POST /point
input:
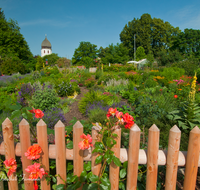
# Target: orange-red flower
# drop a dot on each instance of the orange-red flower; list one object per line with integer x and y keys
{"x": 33, "y": 152}
{"x": 86, "y": 143}
{"x": 38, "y": 113}
{"x": 35, "y": 173}
{"x": 175, "y": 96}
{"x": 128, "y": 120}
{"x": 11, "y": 166}
{"x": 111, "y": 112}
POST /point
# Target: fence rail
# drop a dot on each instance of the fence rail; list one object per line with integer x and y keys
{"x": 152, "y": 156}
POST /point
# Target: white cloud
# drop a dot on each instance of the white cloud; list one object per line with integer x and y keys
{"x": 47, "y": 22}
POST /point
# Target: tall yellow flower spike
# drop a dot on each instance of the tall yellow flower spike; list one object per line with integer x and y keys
{"x": 193, "y": 89}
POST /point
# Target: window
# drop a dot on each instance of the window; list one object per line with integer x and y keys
{"x": 48, "y": 51}
{"x": 44, "y": 51}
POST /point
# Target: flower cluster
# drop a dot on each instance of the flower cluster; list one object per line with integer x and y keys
{"x": 10, "y": 166}
{"x": 86, "y": 143}
{"x": 180, "y": 81}
{"x": 35, "y": 170}
{"x": 38, "y": 113}
{"x": 123, "y": 119}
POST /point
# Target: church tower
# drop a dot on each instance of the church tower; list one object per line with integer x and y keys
{"x": 46, "y": 47}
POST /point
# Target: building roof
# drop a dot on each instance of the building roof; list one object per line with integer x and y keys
{"x": 46, "y": 43}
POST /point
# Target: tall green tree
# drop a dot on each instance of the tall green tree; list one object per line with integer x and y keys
{"x": 114, "y": 54}
{"x": 153, "y": 34}
{"x": 85, "y": 49}
{"x": 188, "y": 42}
{"x": 12, "y": 42}
{"x": 140, "y": 53}
{"x": 52, "y": 58}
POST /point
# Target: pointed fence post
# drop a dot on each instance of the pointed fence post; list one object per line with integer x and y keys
{"x": 172, "y": 158}
{"x": 152, "y": 158}
{"x": 114, "y": 170}
{"x": 43, "y": 143}
{"x": 77, "y": 152}
{"x": 25, "y": 143}
{"x": 133, "y": 157}
{"x": 95, "y": 167}
{"x": 60, "y": 152}
{"x": 8, "y": 138}
{"x": 192, "y": 160}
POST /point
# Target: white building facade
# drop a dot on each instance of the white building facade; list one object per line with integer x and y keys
{"x": 46, "y": 47}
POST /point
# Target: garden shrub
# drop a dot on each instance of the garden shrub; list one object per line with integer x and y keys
{"x": 150, "y": 83}
{"x": 36, "y": 75}
{"x": 92, "y": 96}
{"x": 52, "y": 116}
{"x": 44, "y": 97}
{"x": 171, "y": 73}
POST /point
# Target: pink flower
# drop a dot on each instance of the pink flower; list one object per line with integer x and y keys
{"x": 86, "y": 143}
{"x": 33, "y": 152}
{"x": 11, "y": 165}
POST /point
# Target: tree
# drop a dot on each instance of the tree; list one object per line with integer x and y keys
{"x": 140, "y": 54}
{"x": 188, "y": 42}
{"x": 85, "y": 49}
{"x": 52, "y": 59}
{"x": 152, "y": 34}
{"x": 63, "y": 62}
{"x": 40, "y": 63}
{"x": 114, "y": 54}
{"x": 12, "y": 42}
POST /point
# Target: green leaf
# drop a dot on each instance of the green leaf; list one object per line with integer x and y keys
{"x": 85, "y": 187}
{"x": 24, "y": 115}
{"x": 93, "y": 186}
{"x": 60, "y": 187}
{"x": 69, "y": 129}
{"x": 50, "y": 131}
{"x": 104, "y": 187}
{"x": 15, "y": 107}
{"x": 3, "y": 176}
{"x": 105, "y": 181}
{"x": 69, "y": 166}
{"x": 122, "y": 186}
{"x": 76, "y": 185}
{"x": 54, "y": 179}
{"x": 74, "y": 178}
{"x": 87, "y": 166}
{"x": 99, "y": 159}
{"x": 83, "y": 173}
{"x": 122, "y": 173}
{"x": 125, "y": 164}
{"x": 114, "y": 135}
{"x": 98, "y": 150}
{"x": 70, "y": 145}
{"x": 16, "y": 113}
{"x": 116, "y": 161}
{"x": 94, "y": 178}
{"x": 109, "y": 159}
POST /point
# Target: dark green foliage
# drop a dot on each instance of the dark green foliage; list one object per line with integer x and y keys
{"x": 12, "y": 42}
{"x": 12, "y": 65}
{"x": 52, "y": 59}
{"x": 114, "y": 54}
{"x": 140, "y": 53}
{"x": 153, "y": 34}
{"x": 85, "y": 54}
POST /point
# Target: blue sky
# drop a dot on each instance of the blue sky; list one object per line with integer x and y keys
{"x": 68, "y": 22}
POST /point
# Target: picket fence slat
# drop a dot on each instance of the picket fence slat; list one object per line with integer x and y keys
{"x": 77, "y": 152}
{"x": 113, "y": 169}
{"x": 172, "y": 158}
{"x": 43, "y": 143}
{"x": 60, "y": 152}
{"x": 192, "y": 160}
{"x": 152, "y": 156}
{"x": 8, "y": 138}
{"x": 24, "y": 131}
{"x": 133, "y": 157}
{"x": 95, "y": 167}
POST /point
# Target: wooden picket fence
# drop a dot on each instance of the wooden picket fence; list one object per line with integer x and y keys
{"x": 152, "y": 156}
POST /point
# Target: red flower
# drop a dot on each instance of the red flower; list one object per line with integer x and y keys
{"x": 86, "y": 143}
{"x": 128, "y": 120}
{"x": 38, "y": 113}
{"x": 111, "y": 112}
{"x": 161, "y": 89}
{"x": 33, "y": 152}
{"x": 11, "y": 165}
{"x": 175, "y": 96}
{"x": 35, "y": 173}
